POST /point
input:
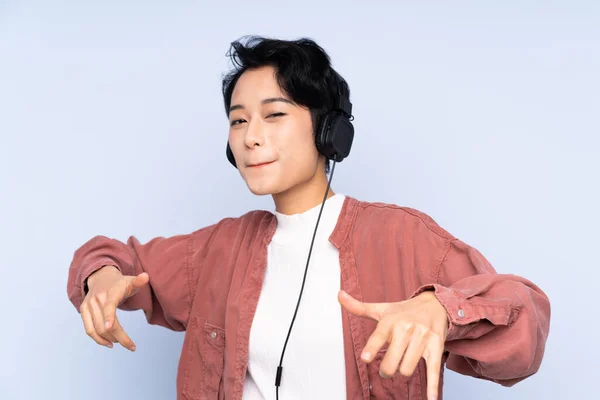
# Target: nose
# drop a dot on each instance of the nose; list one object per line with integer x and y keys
{"x": 254, "y": 134}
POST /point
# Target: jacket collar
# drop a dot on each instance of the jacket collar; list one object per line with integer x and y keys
{"x": 341, "y": 232}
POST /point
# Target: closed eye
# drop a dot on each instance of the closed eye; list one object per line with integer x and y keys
{"x": 274, "y": 115}
{"x": 236, "y": 121}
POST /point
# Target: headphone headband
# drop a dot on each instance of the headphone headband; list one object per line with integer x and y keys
{"x": 343, "y": 103}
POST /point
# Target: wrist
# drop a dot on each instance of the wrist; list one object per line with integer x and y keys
{"x": 89, "y": 281}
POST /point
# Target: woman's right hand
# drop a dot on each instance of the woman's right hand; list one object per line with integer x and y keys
{"x": 107, "y": 288}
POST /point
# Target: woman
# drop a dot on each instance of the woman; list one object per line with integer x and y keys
{"x": 389, "y": 298}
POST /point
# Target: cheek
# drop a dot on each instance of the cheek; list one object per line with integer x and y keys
{"x": 234, "y": 140}
{"x": 299, "y": 166}
{"x": 236, "y": 144}
{"x": 297, "y": 148}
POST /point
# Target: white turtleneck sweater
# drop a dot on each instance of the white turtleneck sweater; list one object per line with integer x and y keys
{"x": 313, "y": 365}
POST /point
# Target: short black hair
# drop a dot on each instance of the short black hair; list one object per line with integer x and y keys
{"x": 303, "y": 72}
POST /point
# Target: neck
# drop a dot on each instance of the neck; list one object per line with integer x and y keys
{"x": 302, "y": 197}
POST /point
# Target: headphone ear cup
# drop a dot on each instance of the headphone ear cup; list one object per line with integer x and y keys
{"x": 321, "y": 135}
{"x": 335, "y": 136}
{"x": 230, "y": 156}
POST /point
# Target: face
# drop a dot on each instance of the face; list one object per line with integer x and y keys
{"x": 270, "y": 136}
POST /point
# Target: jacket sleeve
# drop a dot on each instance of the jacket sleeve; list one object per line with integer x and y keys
{"x": 498, "y": 324}
{"x": 166, "y": 300}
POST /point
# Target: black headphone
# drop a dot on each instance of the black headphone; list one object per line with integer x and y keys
{"x": 335, "y": 131}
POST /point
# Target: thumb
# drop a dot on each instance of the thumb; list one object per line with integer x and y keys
{"x": 135, "y": 283}
{"x": 359, "y": 308}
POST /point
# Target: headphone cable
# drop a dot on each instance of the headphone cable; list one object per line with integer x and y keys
{"x": 280, "y": 367}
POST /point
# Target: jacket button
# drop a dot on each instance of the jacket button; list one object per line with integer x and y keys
{"x": 461, "y": 313}
{"x": 213, "y": 334}
{"x": 370, "y": 387}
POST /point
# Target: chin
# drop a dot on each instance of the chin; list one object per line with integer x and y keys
{"x": 265, "y": 188}
{"x": 273, "y": 183}
{"x": 261, "y": 189}
{"x": 260, "y": 192}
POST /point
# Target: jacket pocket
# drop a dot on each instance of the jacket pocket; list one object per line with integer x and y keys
{"x": 214, "y": 352}
{"x": 204, "y": 350}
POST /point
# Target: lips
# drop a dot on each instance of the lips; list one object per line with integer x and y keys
{"x": 260, "y": 164}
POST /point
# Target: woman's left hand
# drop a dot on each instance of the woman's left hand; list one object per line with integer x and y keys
{"x": 415, "y": 329}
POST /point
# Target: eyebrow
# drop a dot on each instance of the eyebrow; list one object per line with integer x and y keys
{"x": 265, "y": 101}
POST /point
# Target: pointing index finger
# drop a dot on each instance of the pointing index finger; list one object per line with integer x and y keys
{"x": 433, "y": 360}
{"x": 121, "y": 336}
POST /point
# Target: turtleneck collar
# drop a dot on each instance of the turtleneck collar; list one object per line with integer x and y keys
{"x": 294, "y": 227}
